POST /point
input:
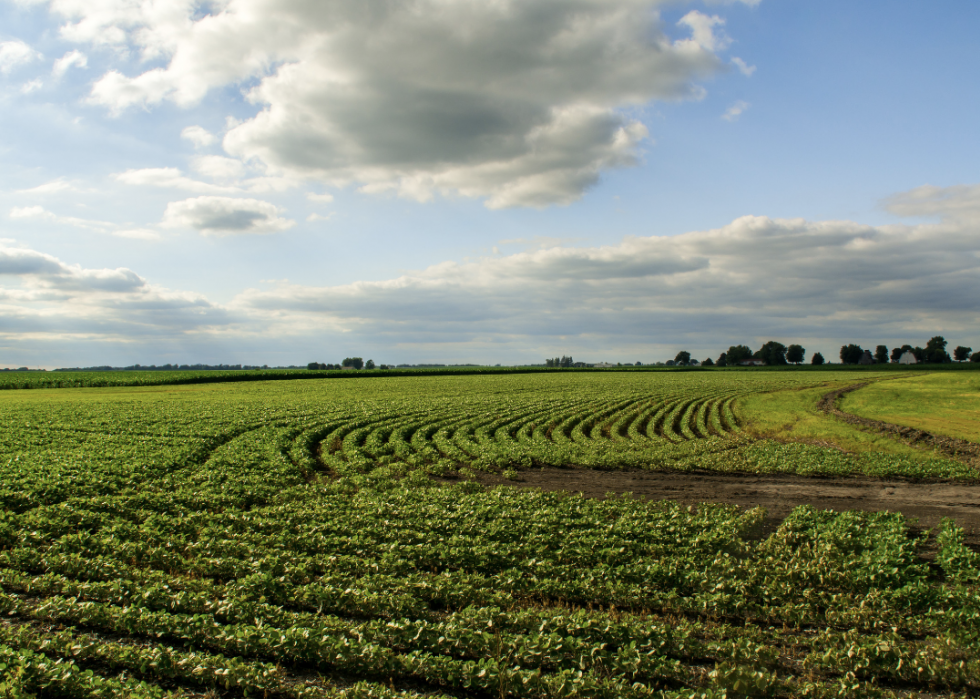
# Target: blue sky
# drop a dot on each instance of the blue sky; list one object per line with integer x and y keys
{"x": 453, "y": 180}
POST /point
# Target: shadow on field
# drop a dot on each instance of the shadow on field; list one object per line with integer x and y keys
{"x": 927, "y": 503}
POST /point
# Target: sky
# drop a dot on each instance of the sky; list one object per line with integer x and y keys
{"x": 483, "y": 181}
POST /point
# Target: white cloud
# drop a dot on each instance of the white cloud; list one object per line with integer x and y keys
{"x": 54, "y": 186}
{"x": 521, "y": 104}
{"x": 48, "y": 272}
{"x": 735, "y": 111}
{"x": 743, "y": 67}
{"x": 703, "y": 32}
{"x": 959, "y": 203}
{"x": 197, "y": 135}
{"x": 218, "y": 167}
{"x": 40, "y": 213}
{"x": 313, "y": 218}
{"x": 44, "y": 298}
{"x": 72, "y": 58}
{"x": 170, "y": 178}
{"x": 15, "y": 53}
{"x": 225, "y": 216}
{"x": 324, "y": 198}
{"x": 31, "y": 86}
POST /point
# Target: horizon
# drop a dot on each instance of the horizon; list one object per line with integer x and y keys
{"x": 483, "y": 183}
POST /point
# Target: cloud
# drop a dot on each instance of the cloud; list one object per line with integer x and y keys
{"x": 60, "y": 184}
{"x": 516, "y": 103}
{"x": 743, "y": 67}
{"x": 703, "y": 32}
{"x": 219, "y": 168}
{"x": 170, "y": 178}
{"x": 40, "y": 213}
{"x": 15, "y": 53}
{"x": 72, "y": 58}
{"x": 48, "y": 272}
{"x": 313, "y": 218}
{"x": 821, "y": 283}
{"x": 754, "y": 279}
{"x": 324, "y": 198}
{"x": 197, "y": 135}
{"x": 735, "y": 111}
{"x": 225, "y": 216}
{"x": 31, "y": 86}
{"x": 44, "y": 298}
{"x": 958, "y": 203}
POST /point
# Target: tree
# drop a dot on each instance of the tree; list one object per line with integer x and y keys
{"x": 722, "y": 359}
{"x": 851, "y": 354}
{"x": 795, "y": 354}
{"x": 313, "y": 366}
{"x": 881, "y": 354}
{"x": 975, "y": 358}
{"x": 355, "y": 362}
{"x": 899, "y": 351}
{"x": 772, "y": 353}
{"x": 683, "y": 358}
{"x": 671, "y": 362}
{"x": 961, "y": 353}
{"x": 737, "y": 354}
{"x": 936, "y": 350}
{"x": 370, "y": 364}
{"x": 708, "y": 362}
{"x": 566, "y": 362}
{"x": 817, "y": 359}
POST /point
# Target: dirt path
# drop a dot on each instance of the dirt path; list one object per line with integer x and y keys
{"x": 950, "y": 447}
{"x": 779, "y": 494}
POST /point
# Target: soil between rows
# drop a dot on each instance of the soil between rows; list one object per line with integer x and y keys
{"x": 927, "y": 503}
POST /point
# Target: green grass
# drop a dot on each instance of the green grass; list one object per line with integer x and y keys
{"x": 941, "y": 403}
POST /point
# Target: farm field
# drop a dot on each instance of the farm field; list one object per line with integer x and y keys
{"x": 328, "y": 538}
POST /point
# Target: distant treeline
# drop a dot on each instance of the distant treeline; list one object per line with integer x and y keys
{"x": 179, "y": 367}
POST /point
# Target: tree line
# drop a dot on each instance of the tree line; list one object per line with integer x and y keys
{"x": 774, "y": 353}
{"x": 347, "y": 363}
{"x": 933, "y": 353}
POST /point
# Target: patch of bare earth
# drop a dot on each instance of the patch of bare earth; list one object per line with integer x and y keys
{"x": 927, "y": 503}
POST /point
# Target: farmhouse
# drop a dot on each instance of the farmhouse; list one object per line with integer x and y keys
{"x": 907, "y": 358}
{"x": 866, "y": 358}
{"x": 752, "y": 362}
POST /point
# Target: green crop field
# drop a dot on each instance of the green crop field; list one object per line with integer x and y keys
{"x": 325, "y": 538}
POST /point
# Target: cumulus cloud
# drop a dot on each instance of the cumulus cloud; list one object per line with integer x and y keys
{"x": 225, "y": 216}
{"x": 15, "y": 53}
{"x": 42, "y": 297}
{"x": 70, "y": 59}
{"x": 48, "y": 272}
{"x": 735, "y": 111}
{"x": 198, "y": 135}
{"x": 517, "y": 103}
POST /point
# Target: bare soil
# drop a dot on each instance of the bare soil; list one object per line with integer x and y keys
{"x": 927, "y": 503}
